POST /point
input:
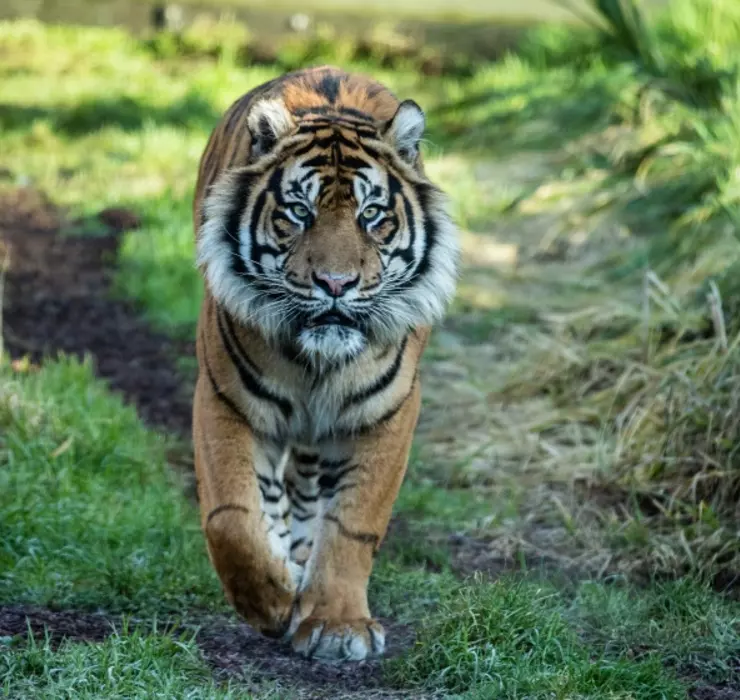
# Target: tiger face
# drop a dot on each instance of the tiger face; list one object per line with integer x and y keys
{"x": 330, "y": 238}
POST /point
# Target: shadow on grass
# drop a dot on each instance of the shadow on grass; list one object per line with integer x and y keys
{"x": 123, "y": 112}
{"x": 491, "y": 120}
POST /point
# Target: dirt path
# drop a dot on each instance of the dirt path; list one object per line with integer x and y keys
{"x": 58, "y": 299}
{"x": 232, "y": 649}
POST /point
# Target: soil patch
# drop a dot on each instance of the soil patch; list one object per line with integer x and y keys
{"x": 17, "y": 620}
{"x": 705, "y": 691}
{"x": 232, "y": 649}
{"x": 229, "y": 647}
{"x": 58, "y": 299}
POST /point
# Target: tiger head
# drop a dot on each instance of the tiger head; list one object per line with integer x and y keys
{"x": 330, "y": 238}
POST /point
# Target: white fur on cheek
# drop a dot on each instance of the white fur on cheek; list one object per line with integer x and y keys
{"x": 216, "y": 259}
{"x": 434, "y": 290}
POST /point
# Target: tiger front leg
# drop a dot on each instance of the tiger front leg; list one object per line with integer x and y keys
{"x": 242, "y": 500}
{"x": 332, "y": 619}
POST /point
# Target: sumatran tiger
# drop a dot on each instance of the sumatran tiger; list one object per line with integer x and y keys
{"x": 327, "y": 256}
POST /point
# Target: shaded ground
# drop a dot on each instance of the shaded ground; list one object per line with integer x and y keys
{"x": 57, "y": 299}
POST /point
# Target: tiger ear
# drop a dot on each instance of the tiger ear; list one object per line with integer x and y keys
{"x": 268, "y": 121}
{"x": 405, "y": 129}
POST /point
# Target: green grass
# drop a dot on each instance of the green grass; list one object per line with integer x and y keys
{"x": 128, "y": 664}
{"x": 694, "y": 631}
{"x": 514, "y": 638}
{"x": 158, "y": 268}
{"x": 579, "y": 406}
{"x": 91, "y": 512}
{"x": 511, "y": 640}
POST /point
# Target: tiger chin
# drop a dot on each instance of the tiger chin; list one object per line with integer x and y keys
{"x": 327, "y": 256}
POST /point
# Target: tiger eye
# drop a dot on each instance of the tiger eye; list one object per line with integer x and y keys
{"x": 370, "y": 212}
{"x": 300, "y": 211}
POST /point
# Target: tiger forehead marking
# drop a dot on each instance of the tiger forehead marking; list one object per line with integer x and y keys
{"x": 328, "y": 235}
{"x": 337, "y": 162}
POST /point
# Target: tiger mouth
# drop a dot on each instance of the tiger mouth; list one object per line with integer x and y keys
{"x": 332, "y": 318}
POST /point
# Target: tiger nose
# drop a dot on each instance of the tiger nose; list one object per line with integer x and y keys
{"x": 335, "y": 284}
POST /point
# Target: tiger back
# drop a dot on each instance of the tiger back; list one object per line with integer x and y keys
{"x": 327, "y": 256}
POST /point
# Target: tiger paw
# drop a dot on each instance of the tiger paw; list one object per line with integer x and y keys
{"x": 339, "y": 640}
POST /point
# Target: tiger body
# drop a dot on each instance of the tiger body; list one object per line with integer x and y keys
{"x": 327, "y": 256}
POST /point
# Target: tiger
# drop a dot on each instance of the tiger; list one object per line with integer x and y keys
{"x": 327, "y": 256}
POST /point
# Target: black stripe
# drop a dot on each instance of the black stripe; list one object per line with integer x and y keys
{"x": 363, "y": 537}
{"x": 430, "y": 229}
{"x": 324, "y": 143}
{"x": 297, "y": 543}
{"x": 396, "y": 192}
{"x": 305, "y": 498}
{"x": 363, "y": 117}
{"x": 310, "y": 125}
{"x": 302, "y": 518}
{"x": 328, "y": 494}
{"x": 313, "y": 126}
{"x": 387, "y": 416}
{"x": 303, "y": 150}
{"x": 246, "y": 368}
{"x": 425, "y": 192}
{"x": 354, "y": 162}
{"x": 269, "y": 482}
{"x": 305, "y": 457}
{"x": 305, "y": 474}
{"x": 360, "y": 175}
{"x": 318, "y": 161}
{"x": 372, "y": 152}
{"x": 339, "y": 112}
{"x": 341, "y": 138}
{"x": 393, "y": 218}
{"x": 269, "y": 498}
{"x": 381, "y": 383}
{"x": 328, "y": 86}
{"x": 223, "y": 398}
{"x": 244, "y": 181}
{"x": 299, "y": 506}
{"x": 328, "y": 482}
{"x": 255, "y": 250}
{"x": 334, "y": 463}
{"x": 224, "y": 507}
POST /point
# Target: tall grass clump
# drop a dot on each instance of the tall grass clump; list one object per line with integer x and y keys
{"x": 659, "y": 377}
{"x": 653, "y": 378}
{"x": 661, "y": 402}
{"x": 512, "y": 640}
{"x": 682, "y": 51}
